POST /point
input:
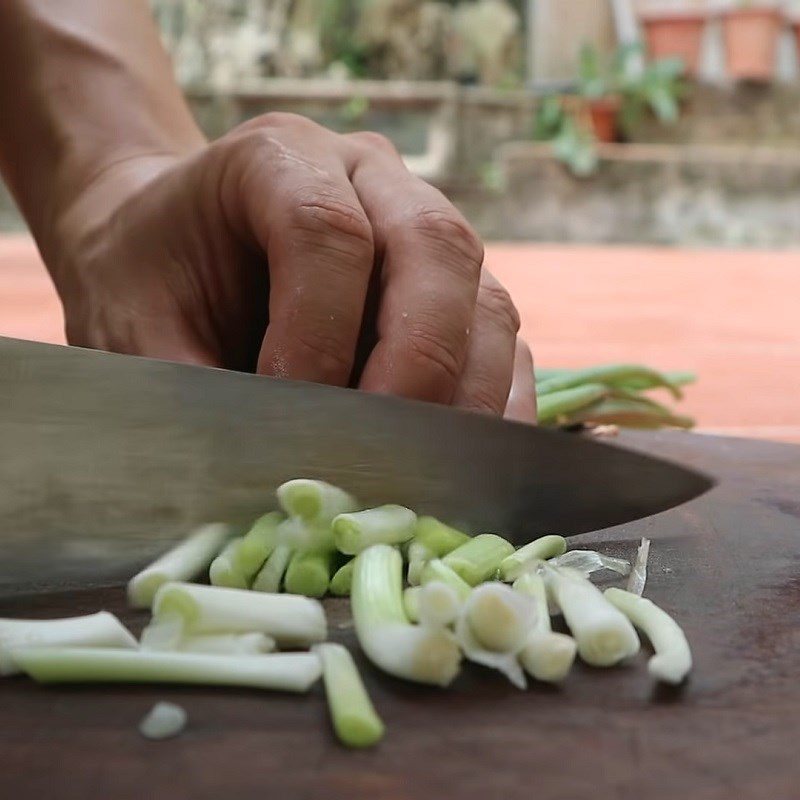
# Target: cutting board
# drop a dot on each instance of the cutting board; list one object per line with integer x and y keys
{"x": 727, "y": 565}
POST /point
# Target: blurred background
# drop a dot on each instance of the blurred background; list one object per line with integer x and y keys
{"x": 634, "y": 165}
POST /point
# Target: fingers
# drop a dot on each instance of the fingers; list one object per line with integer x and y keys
{"x": 486, "y": 380}
{"x": 431, "y": 263}
{"x": 521, "y": 404}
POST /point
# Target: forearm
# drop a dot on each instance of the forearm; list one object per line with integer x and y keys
{"x": 85, "y": 88}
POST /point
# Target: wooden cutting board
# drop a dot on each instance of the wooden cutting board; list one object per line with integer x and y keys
{"x": 727, "y": 565}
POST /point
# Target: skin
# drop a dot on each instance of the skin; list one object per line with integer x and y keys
{"x": 282, "y": 247}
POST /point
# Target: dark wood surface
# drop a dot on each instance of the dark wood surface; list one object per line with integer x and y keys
{"x": 727, "y": 565}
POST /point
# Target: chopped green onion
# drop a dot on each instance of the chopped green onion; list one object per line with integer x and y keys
{"x": 604, "y": 635}
{"x": 673, "y": 658}
{"x": 390, "y": 524}
{"x": 342, "y": 579}
{"x": 551, "y": 408}
{"x": 228, "y": 644}
{"x": 612, "y": 375}
{"x": 539, "y": 549}
{"x": 439, "y": 538}
{"x": 309, "y": 572}
{"x": 224, "y": 570}
{"x": 589, "y": 561}
{"x": 289, "y": 619}
{"x": 411, "y": 602}
{"x": 314, "y": 501}
{"x": 438, "y": 604}
{"x": 478, "y": 559}
{"x": 290, "y": 672}
{"x": 393, "y": 644}
{"x": 493, "y": 627}
{"x": 165, "y": 633}
{"x": 638, "y": 576}
{"x": 418, "y": 555}
{"x": 162, "y": 721}
{"x": 354, "y": 718}
{"x": 184, "y": 562}
{"x": 547, "y": 655}
{"x": 271, "y": 575}
{"x": 437, "y": 570}
{"x": 93, "y": 630}
{"x": 258, "y": 543}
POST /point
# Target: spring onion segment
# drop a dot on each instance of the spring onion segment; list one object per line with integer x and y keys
{"x": 224, "y": 569}
{"x": 604, "y": 635}
{"x": 411, "y": 602}
{"x": 389, "y": 640}
{"x": 478, "y": 559}
{"x": 270, "y": 577}
{"x": 589, "y": 561}
{"x": 314, "y": 501}
{"x": 438, "y": 604}
{"x": 638, "y": 576}
{"x": 419, "y": 555}
{"x": 673, "y": 658}
{"x": 309, "y": 572}
{"x": 539, "y": 549}
{"x": 290, "y": 672}
{"x": 184, "y": 562}
{"x": 258, "y": 543}
{"x": 342, "y": 579}
{"x": 390, "y": 524}
{"x": 437, "y": 570}
{"x": 354, "y": 718}
{"x": 228, "y": 644}
{"x": 290, "y": 619}
{"x": 165, "y": 633}
{"x": 493, "y": 628}
{"x": 163, "y": 721}
{"x": 547, "y": 655}
{"x": 93, "y": 630}
{"x": 439, "y": 538}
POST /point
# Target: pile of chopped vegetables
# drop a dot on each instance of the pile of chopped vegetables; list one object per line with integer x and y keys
{"x": 612, "y": 394}
{"x": 423, "y": 596}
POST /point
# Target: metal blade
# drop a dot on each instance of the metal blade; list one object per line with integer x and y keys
{"x": 105, "y": 459}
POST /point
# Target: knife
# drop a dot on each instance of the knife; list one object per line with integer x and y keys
{"x": 105, "y": 459}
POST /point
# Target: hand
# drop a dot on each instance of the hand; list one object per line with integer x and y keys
{"x": 297, "y": 252}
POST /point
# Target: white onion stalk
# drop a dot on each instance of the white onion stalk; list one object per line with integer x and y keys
{"x": 390, "y": 524}
{"x": 638, "y": 576}
{"x": 290, "y": 619}
{"x": 589, "y": 561}
{"x": 354, "y": 718}
{"x": 493, "y": 627}
{"x": 389, "y": 640}
{"x": 604, "y": 635}
{"x": 165, "y": 633}
{"x": 290, "y": 672}
{"x": 411, "y": 602}
{"x": 673, "y": 659}
{"x": 228, "y": 644}
{"x": 419, "y": 555}
{"x": 314, "y": 501}
{"x": 539, "y": 549}
{"x": 184, "y": 562}
{"x": 162, "y": 721}
{"x": 224, "y": 569}
{"x": 438, "y": 604}
{"x": 437, "y": 570}
{"x": 548, "y": 655}
{"x": 93, "y": 630}
{"x": 270, "y": 577}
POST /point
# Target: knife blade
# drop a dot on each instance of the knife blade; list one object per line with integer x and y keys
{"x": 105, "y": 459}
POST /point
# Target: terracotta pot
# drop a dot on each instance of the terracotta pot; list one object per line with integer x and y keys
{"x": 751, "y": 40}
{"x": 603, "y": 115}
{"x": 675, "y": 36}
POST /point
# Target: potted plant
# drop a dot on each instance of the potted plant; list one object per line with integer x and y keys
{"x": 672, "y": 31}
{"x": 750, "y": 30}
{"x": 599, "y": 98}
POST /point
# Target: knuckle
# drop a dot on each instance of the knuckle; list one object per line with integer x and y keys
{"x": 327, "y": 350}
{"x": 370, "y": 140}
{"x": 451, "y": 230}
{"x": 432, "y": 351}
{"x": 276, "y": 120}
{"x": 495, "y": 302}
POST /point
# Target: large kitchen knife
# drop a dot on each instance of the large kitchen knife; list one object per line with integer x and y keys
{"x": 105, "y": 459}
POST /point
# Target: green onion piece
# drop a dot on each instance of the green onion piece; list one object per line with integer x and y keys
{"x": 604, "y": 635}
{"x": 610, "y": 375}
{"x": 552, "y": 408}
{"x": 289, "y": 672}
{"x": 673, "y": 659}
{"x": 438, "y": 604}
{"x": 630, "y": 413}
{"x": 437, "y": 570}
{"x": 314, "y": 501}
{"x": 184, "y": 562}
{"x": 418, "y": 555}
{"x": 93, "y": 630}
{"x": 228, "y": 644}
{"x": 165, "y": 633}
{"x": 439, "y": 538}
{"x": 342, "y": 579}
{"x": 390, "y": 524}
{"x": 258, "y": 543}
{"x": 392, "y": 643}
{"x": 411, "y": 602}
{"x": 290, "y": 619}
{"x": 478, "y": 559}
{"x": 638, "y": 576}
{"x": 547, "y": 656}
{"x": 162, "y": 721}
{"x": 271, "y": 575}
{"x": 539, "y": 549}
{"x": 309, "y": 573}
{"x": 354, "y": 718}
{"x": 224, "y": 570}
